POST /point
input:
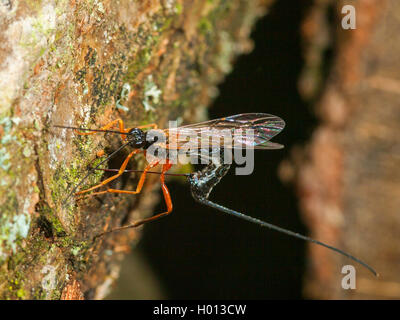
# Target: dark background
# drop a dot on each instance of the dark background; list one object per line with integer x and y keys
{"x": 198, "y": 252}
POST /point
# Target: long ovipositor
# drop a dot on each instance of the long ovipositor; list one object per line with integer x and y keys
{"x": 203, "y": 181}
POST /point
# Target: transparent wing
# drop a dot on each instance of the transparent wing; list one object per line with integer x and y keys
{"x": 249, "y": 129}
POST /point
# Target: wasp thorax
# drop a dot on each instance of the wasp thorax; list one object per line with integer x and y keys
{"x": 137, "y": 138}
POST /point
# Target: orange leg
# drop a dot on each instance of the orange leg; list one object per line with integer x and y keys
{"x": 167, "y": 199}
{"x": 106, "y": 127}
{"x": 100, "y": 153}
{"x": 120, "y": 172}
{"x": 139, "y": 186}
{"x": 150, "y": 125}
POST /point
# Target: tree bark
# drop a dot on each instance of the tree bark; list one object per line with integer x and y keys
{"x": 86, "y": 63}
{"x": 348, "y": 176}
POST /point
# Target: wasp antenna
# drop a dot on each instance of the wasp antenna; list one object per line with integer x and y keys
{"x": 282, "y": 230}
{"x": 92, "y": 130}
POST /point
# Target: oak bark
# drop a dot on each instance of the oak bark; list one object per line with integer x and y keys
{"x": 348, "y": 176}
{"x": 86, "y": 63}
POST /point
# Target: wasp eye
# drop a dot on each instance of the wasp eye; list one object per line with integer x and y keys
{"x": 134, "y": 131}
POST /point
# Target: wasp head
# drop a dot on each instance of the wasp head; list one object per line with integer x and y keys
{"x": 137, "y": 138}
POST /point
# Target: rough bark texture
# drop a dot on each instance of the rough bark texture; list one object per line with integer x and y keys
{"x": 348, "y": 177}
{"x": 86, "y": 63}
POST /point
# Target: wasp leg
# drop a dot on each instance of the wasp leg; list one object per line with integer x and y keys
{"x": 138, "y": 187}
{"x": 150, "y": 125}
{"x": 120, "y": 172}
{"x": 167, "y": 199}
{"x": 108, "y": 126}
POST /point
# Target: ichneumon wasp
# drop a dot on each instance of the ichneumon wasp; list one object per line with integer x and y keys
{"x": 263, "y": 126}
